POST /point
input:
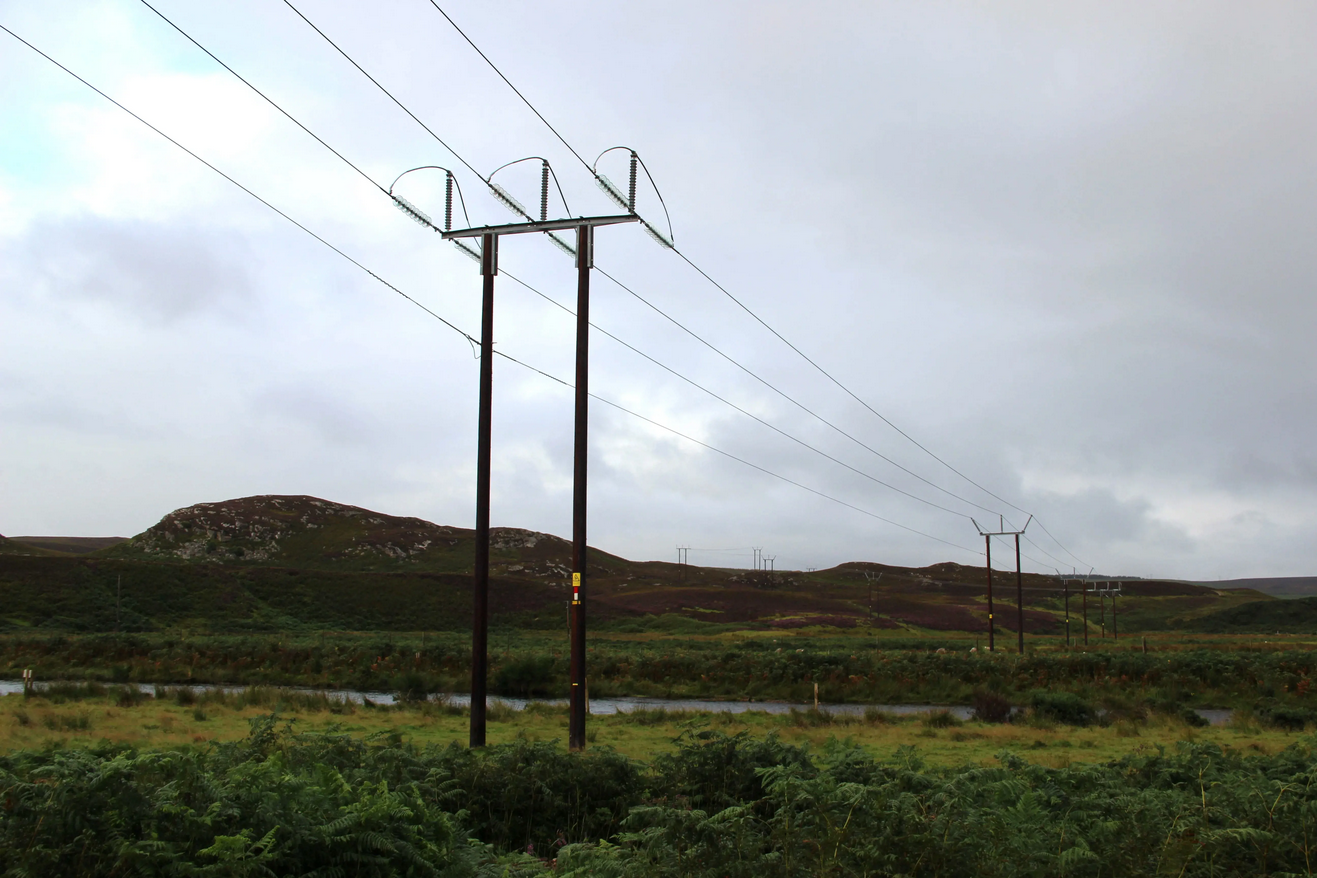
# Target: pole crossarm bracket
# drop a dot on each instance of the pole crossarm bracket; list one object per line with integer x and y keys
{"x": 540, "y": 226}
{"x": 1002, "y": 533}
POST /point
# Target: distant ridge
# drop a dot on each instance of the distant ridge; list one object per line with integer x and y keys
{"x": 284, "y": 562}
{"x": 1276, "y": 586}
{"x": 70, "y": 545}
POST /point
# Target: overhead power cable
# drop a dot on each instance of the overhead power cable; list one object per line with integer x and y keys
{"x": 267, "y": 99}
{"x": 515, "y": 90}
{"x": 467, "y": 336}
{"x": 746, "y": 308}
{"x": 742, "y": 460}
{"x": 645, "y": 301}
{"x": 729, "y": 403}
{"x": 460, "y": 158}
{"x": 339, "y": 155}
{"x": 783, "y": 394}
{"x": 326, "y": 38}
{"x": 634, "y": 349}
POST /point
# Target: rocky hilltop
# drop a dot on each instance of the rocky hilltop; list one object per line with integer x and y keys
{"x": 307, "y": 532}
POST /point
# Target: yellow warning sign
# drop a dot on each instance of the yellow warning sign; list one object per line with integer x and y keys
{"x": 576, "y": 580}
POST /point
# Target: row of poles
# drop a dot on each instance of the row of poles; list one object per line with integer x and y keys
{"x": 1111, "y": 589}
{"x": 761, "y": 562}
{"x": 1101, "y": 591}
{"x": 577, "y": 704}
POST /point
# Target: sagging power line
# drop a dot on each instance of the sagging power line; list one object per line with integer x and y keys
{"x": 815, "y": 365}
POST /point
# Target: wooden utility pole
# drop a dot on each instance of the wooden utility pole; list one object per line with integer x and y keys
{"x": 489, "y": 236}
{"x": 1019, "y": 578}
{"x": 577, "y": 697}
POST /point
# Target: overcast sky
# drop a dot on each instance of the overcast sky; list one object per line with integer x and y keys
{"x": 1069, "y": 249}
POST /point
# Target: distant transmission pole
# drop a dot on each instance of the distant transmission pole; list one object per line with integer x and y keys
{"x": 1019, "y": 578}
{"x": 1084, "y": 585}
{"x": 1115, "y": 635}
{"x": 873, "y": 581}
{"x": 1102, "y": 609}
{"x": 1065, "y": 588}
{"x": 488, "y": 258}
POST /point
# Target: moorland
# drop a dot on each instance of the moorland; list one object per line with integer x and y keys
{"x": 1083, "y": 756}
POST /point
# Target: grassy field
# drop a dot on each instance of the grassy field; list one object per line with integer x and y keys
{"x": 70, "y": 718}
{"x": 685, "y": 660}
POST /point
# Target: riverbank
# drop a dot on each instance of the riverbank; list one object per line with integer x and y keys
{"x": 846, "y": 668}
{"x": 181, "y": 717}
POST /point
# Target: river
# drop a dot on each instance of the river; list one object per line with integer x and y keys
{"x": 605, "y": 706}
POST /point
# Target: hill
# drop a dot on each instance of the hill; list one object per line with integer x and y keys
{"x": 1295, "y": 616}
{"x": 69, "y": 545}
{"x": 288, "y": 562}
{"x": 1277, "y": 586}
{"x": 14, "y": 547}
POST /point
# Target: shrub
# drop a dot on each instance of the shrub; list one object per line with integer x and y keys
{"x": 875, "y": 717}
{"x": 941, "y": 719}
{"x": 713, "y": 770}
{"x": 525, "y": 676}
{"x": 990, "y": 707}
{"x": 411, "y": 687}
{"x": 1062, "y": 707}
{"x": 1289, "y": 718}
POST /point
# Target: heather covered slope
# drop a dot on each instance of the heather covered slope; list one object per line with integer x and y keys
{"x": 69, "y": 545}
{"x": 289, "y": 562}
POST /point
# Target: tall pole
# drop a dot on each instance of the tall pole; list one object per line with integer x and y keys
{"x": 584, "y": 260}
{"x": 1085, "y": 594}
{"x": 1065, "y": 583}
{"x": 1114, "y": 634}
{"x": 480, "y": 616}
{"x": 1019, "y": 593}
{"x": 987, "y": 541}
{"x": 1102, "y": 612}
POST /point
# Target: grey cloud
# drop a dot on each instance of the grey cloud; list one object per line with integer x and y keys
{"x": 159, "y": 272}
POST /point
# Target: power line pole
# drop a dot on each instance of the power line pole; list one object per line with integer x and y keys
{"x": 1065, "y": 585}
{"x": 1102, "y": 610}
{"x": 771, "y": 559}
{"x": 1019, "y": 594}
{"x": 873, "y": 581}
{"x": 1115, "y": 635}
{"x": 489, "y": 236}
{"x": 987, "y": 545}
{"x": 484, "y": 441}
{"x": 577, "y": 705}
{"x": 1085, "y": 593}
{"x": 1019, "y": 578}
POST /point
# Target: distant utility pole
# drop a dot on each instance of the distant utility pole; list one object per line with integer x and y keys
{"x": 1102, "y": 610}
{"x": 770, "y": 559}
{"x": 1084, "y": 586}
{"x": 1115, "y": 635}
{"x": 1065, "y": 587}
{"x": 1019, "y": 578}
{"x": 683, "y": 554}
{"x": 873, "y": 581}
{"x": 584, "y": 253}
{"x": 758, "y": 550}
